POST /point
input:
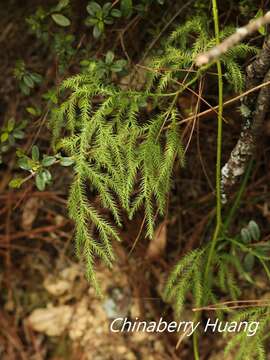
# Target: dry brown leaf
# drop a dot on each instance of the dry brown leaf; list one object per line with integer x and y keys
{"x": 158, "y": 243}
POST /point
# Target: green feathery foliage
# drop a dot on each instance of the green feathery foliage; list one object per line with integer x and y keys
{"x": 127, "y": 162}
{"x": 244, "y": 347}
{"x": 186, "y": 276}
{"x": 183, "y": 46}
{"x": 123, "y": 154}
{"x": 190, "y": 39}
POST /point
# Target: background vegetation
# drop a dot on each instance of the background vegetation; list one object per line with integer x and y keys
{"x": 111, "y": 147}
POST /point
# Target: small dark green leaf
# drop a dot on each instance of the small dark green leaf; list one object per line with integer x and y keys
{"x": 18, "y": 134}
{"x": 61, "y": 5}
{"x": 84, "y": 62}
{"x": 31, "y": 111}
{"x": 22, "y": 124}
{"x": 108, "y": 20}
{"x": 249, "y": 261}
{"x": 245, "y": 235}
{"x": 60, "y": 20}
{"x": 24, "y": 89}
{"x": 28, "y": 81}
{"x": 254, "y": 230}
{"x": 96, "y": 32}
{"x": 101, "y": 25}
{"x": 25, "y": 163}
{"x": 48, "y": 160}
{"x": 4, "y": 137}
{"x": 66, "y": 161}
{"x": 11, "y": 124}
{"x": 106, "y": 8}
{"x": 93, "y": 7}
{"x": 20, "y": 153}
{"x": 116, "y": 13}
{"x": 116, "y": 68}
{"x": 47, "y": 176}
{"x": 35, "y": 153}
{"x": 36, "y": 78}
{"x": 16, "y": 183}
{"x": 118, "y": 65}
{"x": 91, "y": 21}
{"x": 40, "y": 182}
{"x": 109, "y": 57}
{"x": 126, "y": 7}
{"x": 51, "y": 95}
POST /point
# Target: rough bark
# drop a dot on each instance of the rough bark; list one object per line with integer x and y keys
{"x": 255, "y": 73}
{"x": 256, "y": 109}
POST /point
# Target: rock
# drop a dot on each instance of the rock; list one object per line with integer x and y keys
{"x": 52, "y": 321}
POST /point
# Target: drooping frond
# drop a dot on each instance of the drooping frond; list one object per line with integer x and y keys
{"x": 125, "y": 161}
{"x": 248, "y": 345}
{"x": 124, "y": 155}
{"x": 186, "y": 276}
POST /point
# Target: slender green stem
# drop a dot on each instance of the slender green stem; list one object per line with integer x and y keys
{"x": 195, "y": 346}
{"x": 218, "y": 168}
{"x": 219, "y": 149}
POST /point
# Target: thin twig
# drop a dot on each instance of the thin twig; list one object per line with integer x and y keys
{"x": 228, "y": 102}
{"x": 233, "y": 304}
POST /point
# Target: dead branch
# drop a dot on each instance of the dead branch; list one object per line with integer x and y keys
{"x": 240, "y": 34}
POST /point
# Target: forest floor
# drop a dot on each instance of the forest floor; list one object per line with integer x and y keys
{"x": 41, "y": 278}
